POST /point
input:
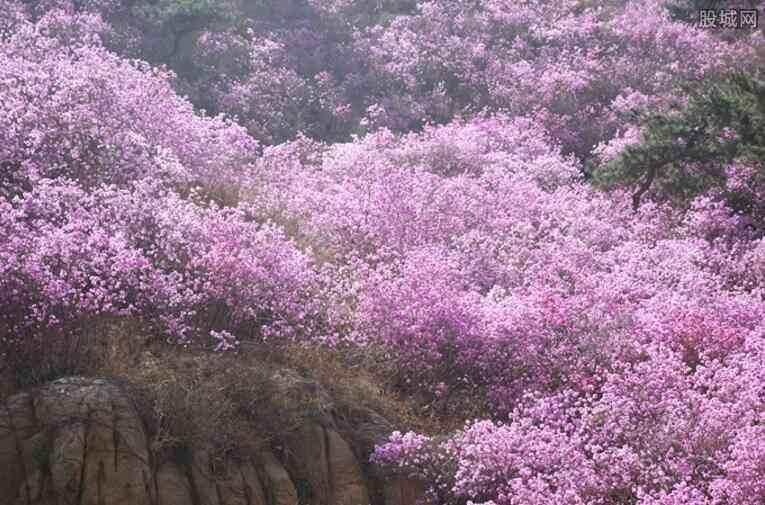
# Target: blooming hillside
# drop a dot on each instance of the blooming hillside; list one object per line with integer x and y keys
{"x": 546, "y": 217}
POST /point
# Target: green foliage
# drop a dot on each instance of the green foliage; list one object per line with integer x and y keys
{"x": 685, "y": 150}
{"x": 184, "y": 15}
{"x": 372, "y": 12}
{"x": 687, "y": 10}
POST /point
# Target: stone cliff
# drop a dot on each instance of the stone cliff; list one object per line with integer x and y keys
{"x": 81, "y": 441}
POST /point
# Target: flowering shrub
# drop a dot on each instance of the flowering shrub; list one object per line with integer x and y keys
{"x": 657, "y": 433}
{"x": 72, "y": 109}
{"x": 94, "y": 148}
{"x": 330, "y": 68}
{"x": 614, "y": 350}
{"x": 69, "y": 256}
{"x": 256, "y": 95}
{"x": 575, "y": 64}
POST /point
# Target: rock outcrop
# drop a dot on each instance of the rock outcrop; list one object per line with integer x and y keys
{"x": 80, "y": 441}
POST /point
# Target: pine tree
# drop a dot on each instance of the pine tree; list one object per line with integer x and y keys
{"x": 685, "y": 150}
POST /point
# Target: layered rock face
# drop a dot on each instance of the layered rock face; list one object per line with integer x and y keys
{"x": 80, "y": 441}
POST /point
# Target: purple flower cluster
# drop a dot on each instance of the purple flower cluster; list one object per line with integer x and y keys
{"x": 575, "y": 64}
{"x": 71, "y": 109}
{"x": 96, "y": 151}
{"x": 69, "y": 255}
{"x": 617, "y": 353}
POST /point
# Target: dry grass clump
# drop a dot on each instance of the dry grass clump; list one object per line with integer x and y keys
{"x": 362, "y": 379}
{"x": 104, "y": 345}
{"x": 193, "y": 398}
